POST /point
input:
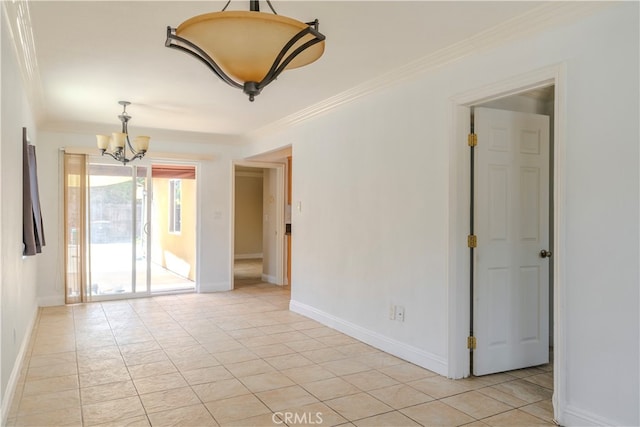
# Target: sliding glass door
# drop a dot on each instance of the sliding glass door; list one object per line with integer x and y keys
{"x": 130, "y": 230}
{"x": 173, "y": 235}
{"x": 118, "y": 223}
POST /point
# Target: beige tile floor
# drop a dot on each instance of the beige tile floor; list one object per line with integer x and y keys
{"x": 241, "y": 358}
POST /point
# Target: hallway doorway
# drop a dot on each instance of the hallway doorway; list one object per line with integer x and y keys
{"x": 510, "y": 263}
{"x": 549, "y": 82}
{"x": 258, "y": 224}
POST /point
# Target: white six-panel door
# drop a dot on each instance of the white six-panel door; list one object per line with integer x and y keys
{"x": 511, "y": 296}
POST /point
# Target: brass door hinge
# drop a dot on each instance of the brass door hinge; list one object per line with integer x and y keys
{"x": 472, "y": 140}
{"x": 471, "y": 343}
{"x": 472, "y": 241}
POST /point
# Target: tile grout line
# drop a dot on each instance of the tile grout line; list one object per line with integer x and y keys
{"x": 190, "y": 329}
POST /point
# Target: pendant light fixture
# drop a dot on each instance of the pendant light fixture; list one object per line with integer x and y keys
{"x": 118, "y": 142}
{"x": 248, "y": 49}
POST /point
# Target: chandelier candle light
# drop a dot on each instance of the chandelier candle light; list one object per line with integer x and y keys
{"x": 118, "y": 142}
{"x": 248, "y": 49}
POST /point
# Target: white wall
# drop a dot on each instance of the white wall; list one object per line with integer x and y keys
{"x": 214, "y": 232}
{"x": 18, "y": 276}
{"x": 373, "y": 180}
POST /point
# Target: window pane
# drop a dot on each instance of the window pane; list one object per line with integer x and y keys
{"x": 111, "y": 195}
{"x": 175, "y": 201}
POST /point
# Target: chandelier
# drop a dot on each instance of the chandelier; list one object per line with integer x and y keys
{"x": 248, "y": 49}
{"x": 116, "y": 145}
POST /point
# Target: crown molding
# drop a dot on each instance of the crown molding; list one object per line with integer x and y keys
{"x": 548, "y": 15}
{"x": 155, "y": 133}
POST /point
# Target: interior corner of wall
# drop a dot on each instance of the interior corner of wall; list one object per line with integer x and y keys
{"x": 51, "y": 301}
{"x": 397, "y": 348}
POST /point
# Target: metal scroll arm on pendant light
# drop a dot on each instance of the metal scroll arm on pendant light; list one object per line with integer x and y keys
{"x": 230, "y": 43}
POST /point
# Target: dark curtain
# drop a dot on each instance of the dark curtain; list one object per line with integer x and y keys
{"x": 32, "y": 229}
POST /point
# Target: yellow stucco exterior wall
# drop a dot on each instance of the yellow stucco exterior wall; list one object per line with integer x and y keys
{"x": 174, "y": 251}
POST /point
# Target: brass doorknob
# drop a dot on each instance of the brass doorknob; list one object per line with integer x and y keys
{"x": 545, "y": 254}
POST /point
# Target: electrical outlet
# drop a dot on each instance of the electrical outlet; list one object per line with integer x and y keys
{"x": 392, "y": 312}
{"x": 400, "y": 313}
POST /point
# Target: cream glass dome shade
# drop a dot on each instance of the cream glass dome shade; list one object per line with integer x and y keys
{"x": 248, "y": 50}
{"x": 246, "y": 44}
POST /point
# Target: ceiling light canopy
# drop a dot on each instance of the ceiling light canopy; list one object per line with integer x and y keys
{"x": 118, "y": 142}
{"x": 248, "y": 49}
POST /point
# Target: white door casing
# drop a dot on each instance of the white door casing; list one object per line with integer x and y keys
{"x": 511, "y": 297}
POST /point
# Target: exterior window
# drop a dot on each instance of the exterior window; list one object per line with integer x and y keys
{"x": 175, "y": 200}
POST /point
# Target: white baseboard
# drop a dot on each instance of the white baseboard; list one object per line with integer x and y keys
{"x": 270, "y": 279}
{"x": 402, "y": 350}
{"x": 51, "y": 301}
{"x": 214, "y": 287}
{"x": 572, "y": 416}
{"x": 247, "y": 256}
{"x": 7, "y": 398}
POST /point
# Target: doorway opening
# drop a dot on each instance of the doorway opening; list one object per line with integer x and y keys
{"x": 459, "y": 271}
{"x": 250, "y": 225}
{"x": 258, "y": 224}
{"x": 172, "y": 230}
{"x": 511, "y": 202}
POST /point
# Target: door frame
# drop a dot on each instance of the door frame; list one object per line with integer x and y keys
{"x": 459, "y": 268}
{"x": 280, "y": 172}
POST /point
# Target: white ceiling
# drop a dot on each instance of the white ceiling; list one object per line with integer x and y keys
{"x": 91, "y": 54}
